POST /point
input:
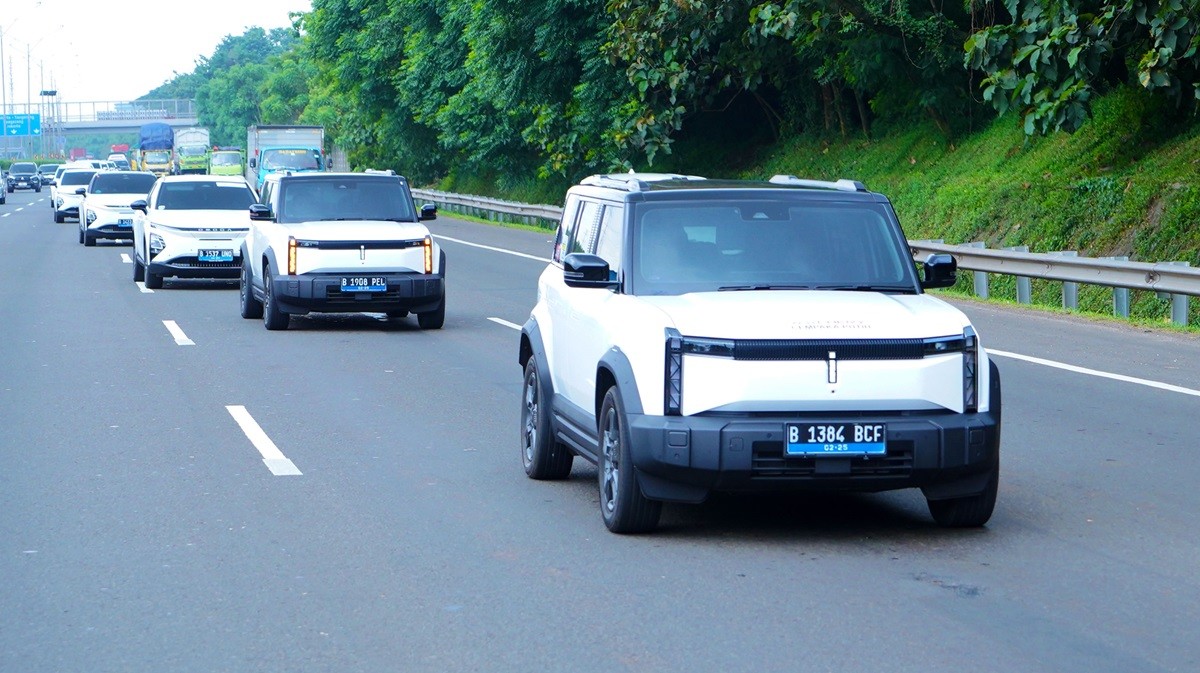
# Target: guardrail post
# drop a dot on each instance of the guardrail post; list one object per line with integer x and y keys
{"x": 1120, "y": 294}
{"x": 1024, "y": 286}
{"x": 1179, "y": 302}
{"x": 1070, "y": 290}
{"x": 981, "y": 277}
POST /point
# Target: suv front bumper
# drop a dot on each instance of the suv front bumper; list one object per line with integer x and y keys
{"x": 411, "y": 292}
{"x": 683, "y": 458}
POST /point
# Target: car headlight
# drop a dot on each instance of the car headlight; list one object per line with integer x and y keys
{"x": 156, "y": 244}
{"x": 91, "y": 216}
{"x": 58, "y": 202}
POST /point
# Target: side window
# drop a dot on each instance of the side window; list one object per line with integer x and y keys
{"x": 585, "y": 230}
{"x": 566, "y": 228}
{"x": 609, "y": 239}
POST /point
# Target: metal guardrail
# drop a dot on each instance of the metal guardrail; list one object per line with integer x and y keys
{"x": 1174, "y": 280}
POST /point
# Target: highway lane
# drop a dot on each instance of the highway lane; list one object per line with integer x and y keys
{"x": 140, "y": 529}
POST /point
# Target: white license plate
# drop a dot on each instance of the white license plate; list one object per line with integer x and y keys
{"x": 835, "y": 439}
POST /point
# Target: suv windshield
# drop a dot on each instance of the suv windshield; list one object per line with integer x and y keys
{"x": 76, "y": 177}
{"x": 344, "y": 198}
{"x": 203, "y": 195}
{"x": 122, "y": 183}
{"x": 23, "y": 167}
{"x": 48, "y": 168}
{"x": 764, "y": 245}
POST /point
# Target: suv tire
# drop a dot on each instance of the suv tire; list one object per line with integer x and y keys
{"x": 542, "y": 456}
{"x": 251, "y": 307}
{"x": 273, "y": 318}
{"x": 139, "y": 269}
{"x": 153, "y": 280}
{"x": 622, "y": 505}
{"x": 969, "y": 512}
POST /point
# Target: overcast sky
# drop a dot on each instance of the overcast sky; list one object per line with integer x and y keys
{"x": 117, "y": 50}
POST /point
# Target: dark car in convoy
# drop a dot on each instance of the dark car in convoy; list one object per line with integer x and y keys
{"x": 24, "y": 175}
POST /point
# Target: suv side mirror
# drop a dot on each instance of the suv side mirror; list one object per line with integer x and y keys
{"x": 941, "y": 270}
{"x": 260, "y": 212}
{"x": 584, "y": 270}
{"x": 81, "y": 191}
{"x": 428, "y": 212}
{"x": 140, "y": 205}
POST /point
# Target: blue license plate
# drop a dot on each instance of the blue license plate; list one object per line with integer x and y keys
{"x": 215, "y": 255}
{"x": 124, "y": 222}
{"x": 364, "y": 284}
{"x": 835, "y": 439}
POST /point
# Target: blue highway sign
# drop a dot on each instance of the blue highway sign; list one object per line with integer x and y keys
{"x": 22, "y": 125}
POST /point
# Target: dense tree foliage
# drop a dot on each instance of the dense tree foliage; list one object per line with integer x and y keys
{"x": 503, "y": 90}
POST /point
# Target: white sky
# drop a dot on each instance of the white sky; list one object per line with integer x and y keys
{"x": 105, "y": 50}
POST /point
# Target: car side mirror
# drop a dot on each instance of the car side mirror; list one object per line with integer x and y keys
{"x": 253, "y": 162}
{"x": 140, "y": 205}
{"x": 260, "y": 212}
{"x": 81, "y": 191}
{"x": 428, "y": 212}
{"x": 584, "y": 270}
{"x": 941, "y": 270}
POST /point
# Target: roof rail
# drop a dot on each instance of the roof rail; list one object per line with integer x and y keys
{"x": 842, "y": 185}
{"x": 380, "y": 171}
{"x": 631, "y": 181}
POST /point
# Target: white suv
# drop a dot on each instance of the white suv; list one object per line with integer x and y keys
{"x": 696, "y": 335}
{"x": 106, "y": 210}
{"x": 68, "y": 193}
{"x": 341, "y": 243}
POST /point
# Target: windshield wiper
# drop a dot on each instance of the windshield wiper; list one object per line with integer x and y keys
{"x": 903, "y": 289}
{"x": 739, "y": 288}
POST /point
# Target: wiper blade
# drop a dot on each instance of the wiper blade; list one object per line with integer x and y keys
{"x": 740, "y": 288}
{"x": 907, "y": 289}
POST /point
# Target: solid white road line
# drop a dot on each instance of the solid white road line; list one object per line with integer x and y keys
{"x": 180, "y": 338}
{"x": 502, "y": 321}
{"x": 488, "y": 247}
{"x": 273, "y": 458}
{"x": 126, "y": 259}
{"x": 1093, "y": 372}
{"x": 143, "y": 288}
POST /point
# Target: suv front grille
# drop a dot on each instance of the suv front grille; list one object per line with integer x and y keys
{"x": 819, "y": 349}
{"x": 768, "y": 462}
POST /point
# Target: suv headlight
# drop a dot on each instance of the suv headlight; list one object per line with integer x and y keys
{"x": 156, "y": 244}
{"x": 970, "y": 371}
{"x": 91, "y": 216}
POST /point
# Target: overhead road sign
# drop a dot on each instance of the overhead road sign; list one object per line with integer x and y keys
{"x": 22, "y": 125}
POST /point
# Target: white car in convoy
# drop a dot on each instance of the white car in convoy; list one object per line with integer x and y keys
{"x": 693, "y": 336}
{"x": 106, "y": 210}
{"x": 191, "y": 226}
{"x": 341, "y": 243}
{"x": 68, "y": 193}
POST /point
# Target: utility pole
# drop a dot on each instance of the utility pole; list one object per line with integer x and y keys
{"x": 3, "y": 98}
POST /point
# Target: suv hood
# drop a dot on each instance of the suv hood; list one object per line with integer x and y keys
{"x": 114, "y": 200}
{"x": 809, "y": 314}
{"x": 358, "y": 230}
{"x": 201, "y": 219}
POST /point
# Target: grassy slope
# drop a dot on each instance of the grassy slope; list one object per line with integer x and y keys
{"x": 1123, "y": 185}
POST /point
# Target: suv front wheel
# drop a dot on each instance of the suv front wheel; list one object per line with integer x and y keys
{"x": 624, "y": 508}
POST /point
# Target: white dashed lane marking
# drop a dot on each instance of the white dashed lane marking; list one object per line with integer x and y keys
{"x": 273, "y": 458}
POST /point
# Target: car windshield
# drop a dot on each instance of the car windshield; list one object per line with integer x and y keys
{"x": 48, "y": 168}
{"x": 296, "y": 159}
{"x": 76, "y": 177}
{"x": 204, "y": 195}
{"x": 157, "y": 157}
{"x": 23, "y": 168}
{"x": 226, "y": 158}
{"x": 122, "y": 183}
{"x": 766, "y": 245}
{"x": 345, "y": 198}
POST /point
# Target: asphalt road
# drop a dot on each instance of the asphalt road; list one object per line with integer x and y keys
{"x": 142, "y": 530}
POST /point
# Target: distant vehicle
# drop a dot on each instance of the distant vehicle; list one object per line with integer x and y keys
{"x": 191, "y": 226}
{"x": 226, "y": 161}
{"x": 191, "y": 150}
{"x": 297, "y": 149}
{"x": 105, "y": 209}
{"x": 77, "y": 153}
{"x": 24, "y": 175}
{"x": 66, "y": 196}
{"x": 47, "y": 173}
{"x": 156, "y": 149}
